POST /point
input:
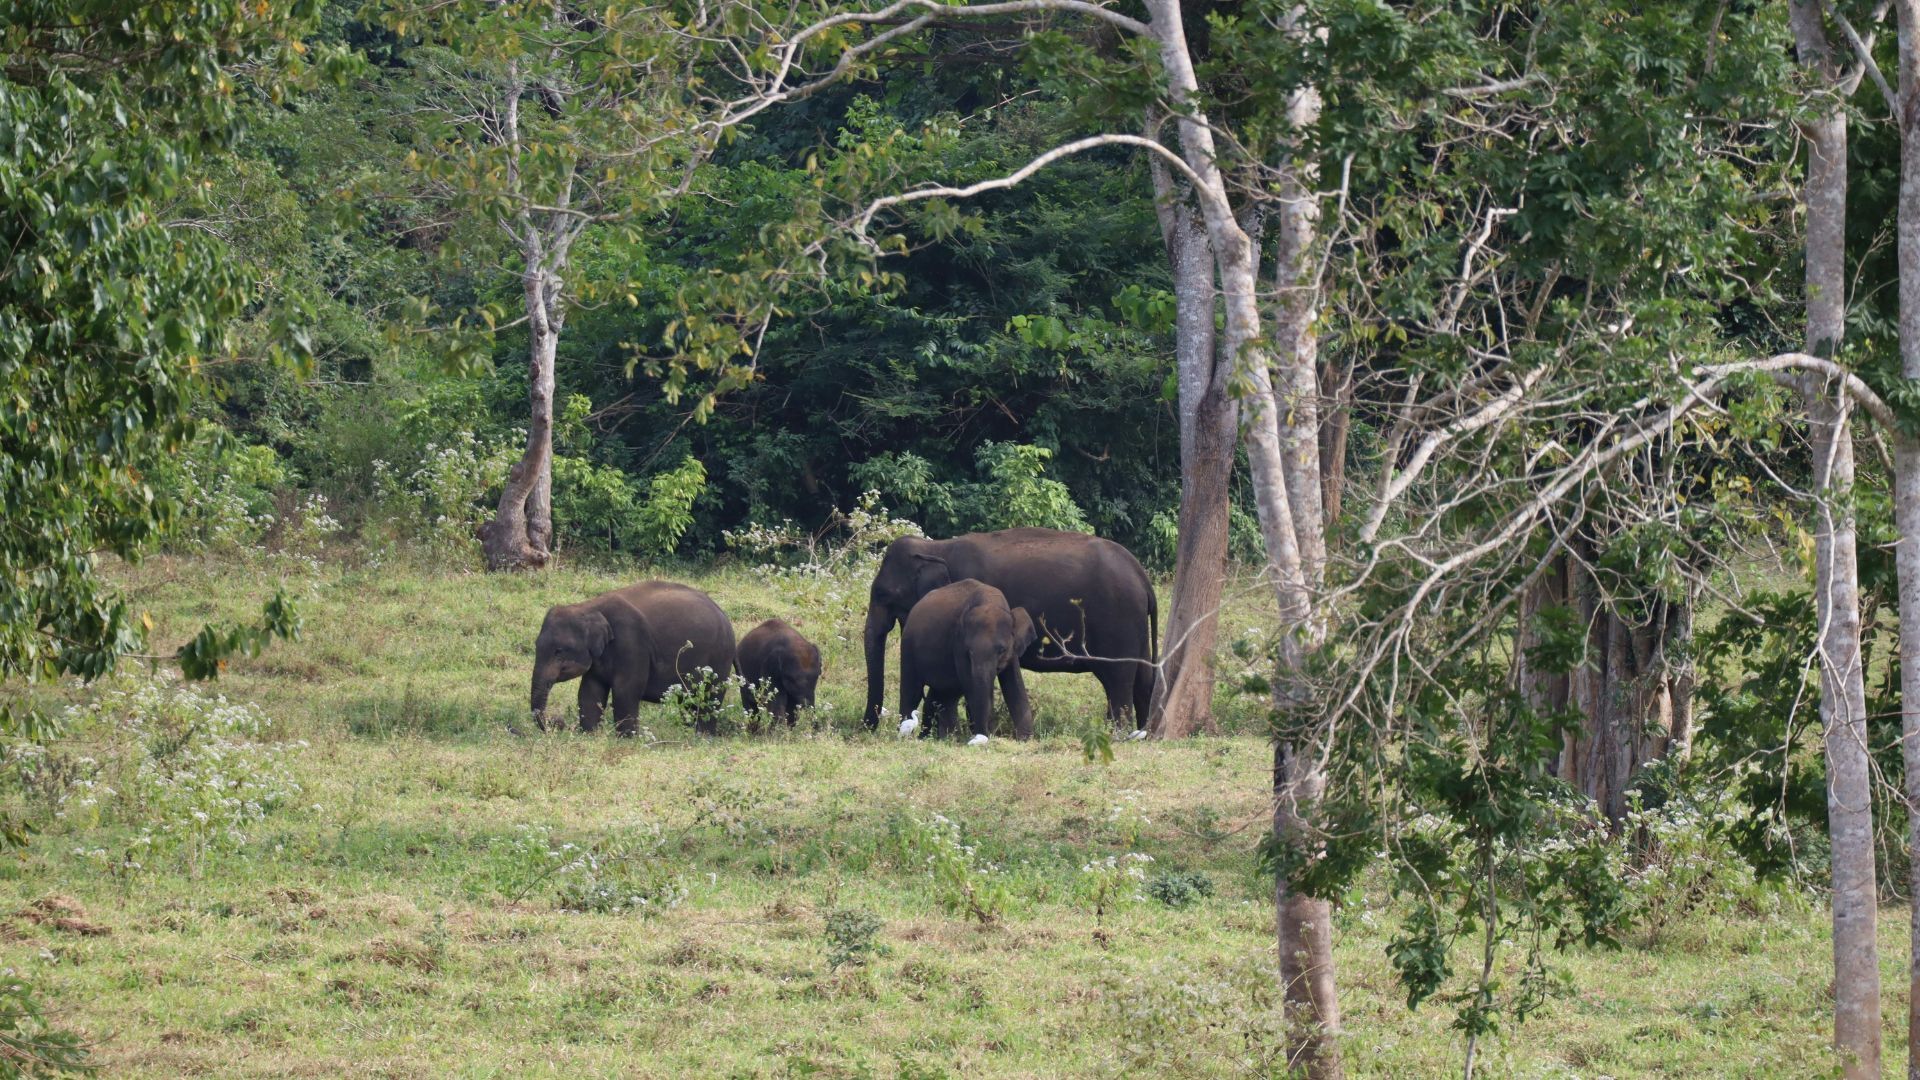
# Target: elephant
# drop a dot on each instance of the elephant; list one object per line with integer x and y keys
{"x": 1089, "y": 599}
{"x": 634, "y": 643}
{"x": 775, "y": 652}
{"x": 957, "y": 641}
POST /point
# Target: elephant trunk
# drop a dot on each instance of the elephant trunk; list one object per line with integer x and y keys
{"x": 880, "y": 622}
{"x": 542, "y": 686}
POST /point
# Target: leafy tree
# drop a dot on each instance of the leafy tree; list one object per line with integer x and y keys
{"x": 110, "y": 311}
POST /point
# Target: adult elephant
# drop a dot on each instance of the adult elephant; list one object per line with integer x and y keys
{"x": 633, "y": 643}
{"x": 1089, "y": 598}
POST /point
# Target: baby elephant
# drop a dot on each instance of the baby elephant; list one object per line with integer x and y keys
{"x": 775, "y": 652}
{"x": 958, "y": 639}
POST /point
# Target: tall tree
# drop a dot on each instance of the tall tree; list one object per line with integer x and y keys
{"x": 1843, "y": 699}
{"x": 1183, "y": 697}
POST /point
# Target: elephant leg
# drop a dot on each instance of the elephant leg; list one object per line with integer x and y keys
{"x": 946, "y": 708}
{"x": 912, "y": 690}
{"x": 980, "y": 697}
{"x": 626, "y": 709}
{"x": 1013, "y": 687}
{"x": 783, "y": 707}
{"x": 747, "y": 700}
{"x": 1144, "y": 679}
{"x": 1117, "y": 681}
{"x": 593, "y": 699}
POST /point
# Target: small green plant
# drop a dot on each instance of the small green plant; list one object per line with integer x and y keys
{"x": 852, "y": 937}
{"x": 1108, "y": 882}
{"x": 28, "y": 1045}
{"x": 964, "y": 883}
{"x": 1177, "y": 889}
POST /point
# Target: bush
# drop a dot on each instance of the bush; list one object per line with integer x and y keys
{"x": 1016, "y": 491}
{"x": 443, "y": 498}
{"x": 192, "y": 773}
{"x": 623, "y": 871}
{"x": 851, "y": 934}
{"x": 668, "y": 508}
{"x": 963, "y": 882}
{"x": 224, "y": 488}
{"x": 1177, "y": 890}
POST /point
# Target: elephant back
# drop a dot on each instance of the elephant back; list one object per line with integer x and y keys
{"x": 686, "y": 631}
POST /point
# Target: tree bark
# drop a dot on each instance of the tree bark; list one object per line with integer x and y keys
{"x": 1906, "y": 487}
{"x": 1283, "y": 449}
{"x": 520, "y": 536}
{"x": 1631, "y": 691}
{"x": 1183, "y": 698}
{"x": 1843, "y": 710}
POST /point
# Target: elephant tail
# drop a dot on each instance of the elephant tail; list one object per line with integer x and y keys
{"x": 1153, "y": 625}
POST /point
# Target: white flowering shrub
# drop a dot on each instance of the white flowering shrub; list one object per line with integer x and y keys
{"x": 1679, "y": 861}
{"x": 192, "y": 774}
{"x": 224, "y": 490}
{"x": 624, "y": 871}
{"x": 964, "y": 883}
{"x": 310, "y": 523}
{"x": 1107, "y": 882}
{"x": 441, "y": 499}
{"x": 827, "y": 571}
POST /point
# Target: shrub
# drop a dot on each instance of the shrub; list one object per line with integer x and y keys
{"x": 192, "y": 773}
{"x": 1177, "y": 890}
{"x": 851, "y": 934}
{"x": 667, "y": 510}
{"x": 443, "y": 499}
{"x": 1016, "y": 491}
{"x": 1175, "y": 1019}
{"x": 1108, "y": 882}
{"x": 623, "y": 871}
{"x": 225, "y": 490}
{"x": 963, "y": 882}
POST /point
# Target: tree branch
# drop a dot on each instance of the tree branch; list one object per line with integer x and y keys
{"x": 1000, "y": 183}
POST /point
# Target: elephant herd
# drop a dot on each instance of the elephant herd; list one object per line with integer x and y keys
{"x": 973, "y": 611}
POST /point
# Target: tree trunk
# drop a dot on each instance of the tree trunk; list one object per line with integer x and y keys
{"x": 1629, "y": 690}
{"x": 1277, "y": 440}
{"x": 1336, "y": 420}
{"x": 1843, "y": 709}
{"x": 1183, "y": 697}
{"x": 520, "y": 536}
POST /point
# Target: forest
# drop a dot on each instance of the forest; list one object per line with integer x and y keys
{"x": 1474, "y": 450}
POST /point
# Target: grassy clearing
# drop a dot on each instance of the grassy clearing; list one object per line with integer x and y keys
{"x": 401, "y": 917}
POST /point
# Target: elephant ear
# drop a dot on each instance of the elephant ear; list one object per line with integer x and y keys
{"x": 1023, "y": 631}
{"x": 930, "y": 573}
{"x": 598, "y": 633}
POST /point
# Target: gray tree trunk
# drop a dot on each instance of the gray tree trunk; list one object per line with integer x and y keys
{"x": 520, "y": 536}
{"x": 1906, "y": 487}
{"x": 1183, "y": 698}
{"x": 1843, "y": 711}
{"x": 1282, "y": 441}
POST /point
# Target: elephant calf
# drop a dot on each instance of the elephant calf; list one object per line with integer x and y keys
{"x": 958, "y": 639}
{"x": 634, "y": 643}
{"x": 776, "y": 654}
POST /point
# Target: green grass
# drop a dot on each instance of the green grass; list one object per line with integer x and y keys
{"x": 386, "y": 933}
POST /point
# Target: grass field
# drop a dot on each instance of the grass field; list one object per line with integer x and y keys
{"x": 403, "y": 917}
